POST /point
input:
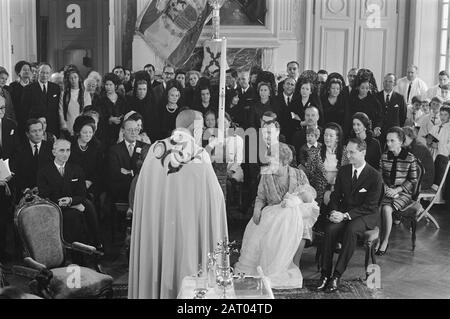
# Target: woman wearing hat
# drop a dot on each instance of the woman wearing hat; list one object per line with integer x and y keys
{"x": 86, "y": 151}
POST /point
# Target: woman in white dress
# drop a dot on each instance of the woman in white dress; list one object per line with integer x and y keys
{"x": 284, "y": 214}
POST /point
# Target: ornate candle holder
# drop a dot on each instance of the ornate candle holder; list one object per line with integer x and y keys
{"x": 224, "y": 273}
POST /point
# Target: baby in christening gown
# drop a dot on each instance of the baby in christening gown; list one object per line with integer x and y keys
{"x": 273, "y": 243}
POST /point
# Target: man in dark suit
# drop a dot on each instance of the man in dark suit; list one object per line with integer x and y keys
{"x": 351, "y": 76}
{"x": 284, "y": 102}
{"x": 242, "y": 113}
{"x": 354, "y": 208}
{"x": 64, "y": 184}
{"x": 150, "y": 69}
{"x": 394, "y": 107}
{"x": 41, "y": 98}
{"x": 123, "y": 159}
{"x": 312, "y": 120}
{"x": 7, "y": 141}
{"x": 161, "y": 90}
{"x": 232, "y": 88}
{"x": 29, "y": 156}
{"x": 293, "y": 71}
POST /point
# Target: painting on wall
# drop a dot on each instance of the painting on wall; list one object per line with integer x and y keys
{"x": 243, "y": 12}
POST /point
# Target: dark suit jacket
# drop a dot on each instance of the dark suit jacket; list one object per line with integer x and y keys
{"x": 158, "y": 92}
{"x": 242, "y": 113}
{"x": 35, "y": 104}
{"x": 9, "y": 138}
{"x": 393, "y": 113}
{"x": 353, "y": 200}
{"x": 285, "y": 118}
{"x": 24, "y": 167}
{"x": 53, "y": 186}
{"x": 119, "y": 184}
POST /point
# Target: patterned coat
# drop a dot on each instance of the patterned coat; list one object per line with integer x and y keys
{"x": 406, "y": 177}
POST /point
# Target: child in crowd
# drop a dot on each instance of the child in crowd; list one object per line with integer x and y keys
{"x": 438, "y": 141}
{"x": 445, "y": 92}
{"x": 429, "y": 121}
{"x": 312, "y": 145}
{"x": 426, "y": 103}
{"x": 414, "y": 112}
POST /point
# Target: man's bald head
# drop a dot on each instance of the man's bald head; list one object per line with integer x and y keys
{"x": 187, "y": 118}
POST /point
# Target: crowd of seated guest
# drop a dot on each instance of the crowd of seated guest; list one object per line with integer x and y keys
{"x": 100, "y": 127}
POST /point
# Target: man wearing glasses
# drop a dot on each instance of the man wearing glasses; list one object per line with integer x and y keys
{"x": 160, "y": 90}
{"x": 123, "y": 159}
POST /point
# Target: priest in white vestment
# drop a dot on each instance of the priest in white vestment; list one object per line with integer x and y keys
{"x": 179, "y": 213}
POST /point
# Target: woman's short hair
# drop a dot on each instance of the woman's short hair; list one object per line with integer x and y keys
{"x": 82, "y": 121}
{"x": 334, "y": 81}
{"x": 19, "y": 65}
{"x": 410, "y": 132}
{"x": 114, "y": 78}
{"x": 445, "y": 108}
{"x": 189, "y": 73}
{"x": 397, "y": 130}
{"x": 89, "y": 81}
{"x": 364, "y": 119}
{"x": 285, "y": 154}
{"x": 261, "y": 84}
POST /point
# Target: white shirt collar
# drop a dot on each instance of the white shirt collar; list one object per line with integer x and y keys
{"x": 42, "y": 85}
{"x": 390, "y": 94}
{"x": 358, "y": 170}
{"x": 311, "y": 145}
{"x": 59, "y": 166}
{"x": 32, "y": 145}
{"x": 287, "y": 96}
{"x": 127, "y": 144}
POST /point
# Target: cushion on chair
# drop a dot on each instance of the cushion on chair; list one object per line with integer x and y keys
{"x": 92, "y": 284}
{"x": 40, "y": 227}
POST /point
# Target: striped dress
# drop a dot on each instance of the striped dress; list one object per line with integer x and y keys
{"x": 405, "y": 176}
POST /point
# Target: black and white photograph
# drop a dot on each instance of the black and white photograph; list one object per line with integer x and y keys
{"x": 246, "y": 151}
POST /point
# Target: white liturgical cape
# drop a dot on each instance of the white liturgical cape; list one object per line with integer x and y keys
{"x": 179, "y": 216}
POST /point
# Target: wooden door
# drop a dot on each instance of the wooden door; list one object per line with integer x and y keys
{"x": 79, "y": 34}
{"x": 359, "y": 33}
{"x": 23, "y": 31}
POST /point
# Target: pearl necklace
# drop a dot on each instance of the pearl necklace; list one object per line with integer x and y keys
{"x": 171, "y": 110}
{"x": 83, "y": 148}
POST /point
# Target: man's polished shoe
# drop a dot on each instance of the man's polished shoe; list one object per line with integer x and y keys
{"x": 333, "y": 285}
{"x": 322, "y": 283}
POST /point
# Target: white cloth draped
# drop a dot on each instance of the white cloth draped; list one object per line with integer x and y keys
{"x": 179, "y": 216}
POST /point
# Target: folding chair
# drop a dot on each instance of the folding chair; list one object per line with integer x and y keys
{"x": 442, "y": 165}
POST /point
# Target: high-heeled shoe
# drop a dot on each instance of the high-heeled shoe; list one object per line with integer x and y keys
{"x": 382, "y": 252}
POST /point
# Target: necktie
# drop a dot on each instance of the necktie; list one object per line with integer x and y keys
{"x": 355, "y": 178}
{"x": 288, "y": 100}
{"x": 131, "y": 149}
{"x": 387, "y": 99}
{"x": 1, "y": 132}
{"x": 409, "y": 90}
{"x": 36, "y": 152}
{"x": 440, "y": 128}
{"x": 433, "y": 120}
{"x": 61, "y": 171}
{"x": 44, "y": 89}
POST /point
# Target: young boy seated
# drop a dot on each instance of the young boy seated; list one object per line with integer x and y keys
{"x": 445, "y": 92}
{"x": 438, "y": 141}
{"x": 427, "y": 122}
{"x": 312, "y": 145}
{"x": 414, "y": 112}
